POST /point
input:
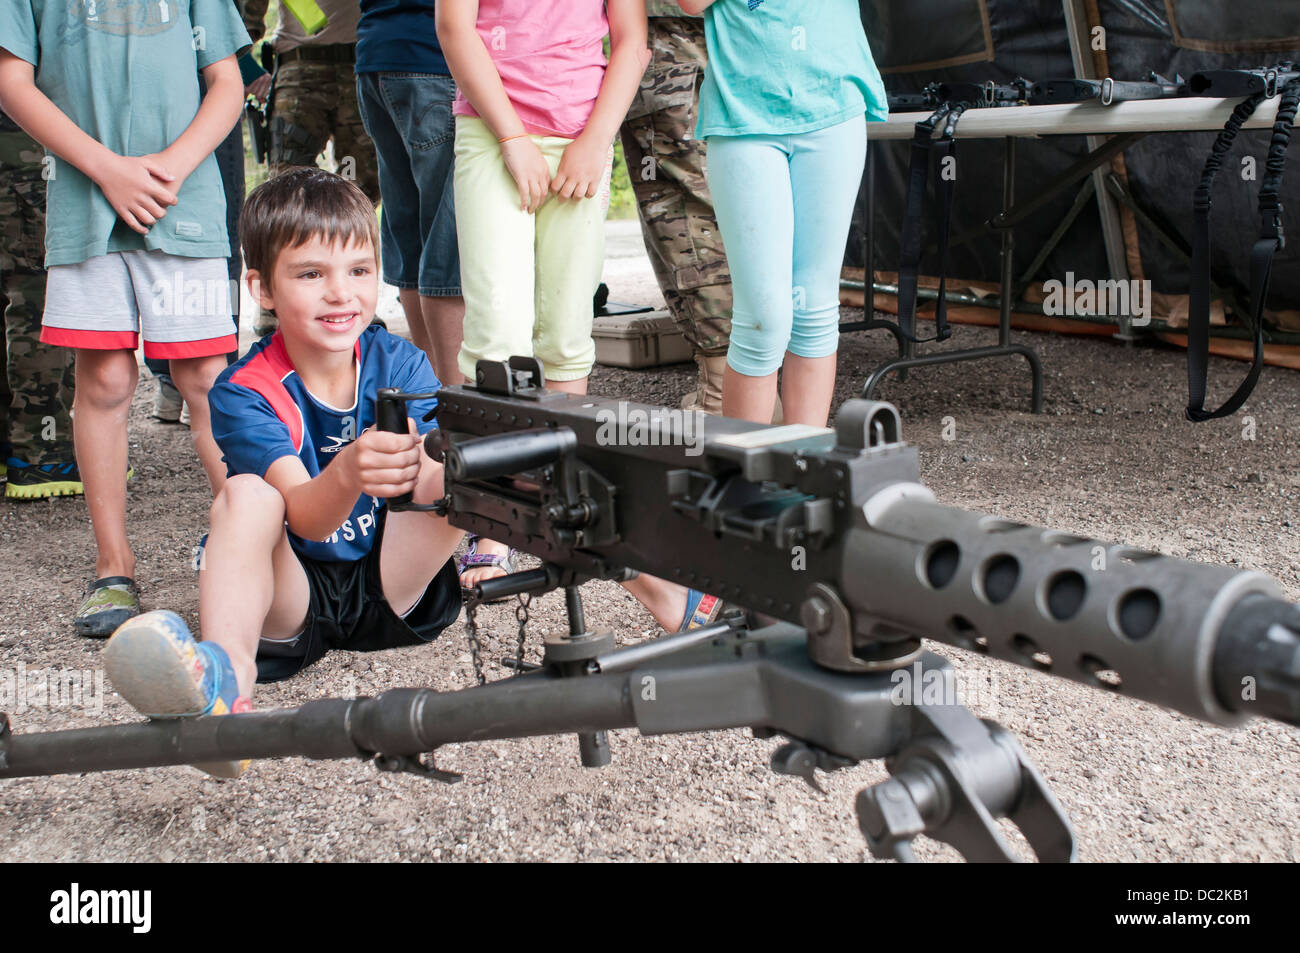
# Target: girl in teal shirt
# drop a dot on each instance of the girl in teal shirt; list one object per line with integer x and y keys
{"x": 783, "y": 109}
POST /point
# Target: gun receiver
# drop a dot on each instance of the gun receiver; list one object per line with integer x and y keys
{"x": 832, "y": 530}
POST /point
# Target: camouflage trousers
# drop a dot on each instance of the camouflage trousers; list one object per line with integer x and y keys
{"x": 313, "y": 103}
{"x": 36, "y": 388}
{"x": 666, "y": 166}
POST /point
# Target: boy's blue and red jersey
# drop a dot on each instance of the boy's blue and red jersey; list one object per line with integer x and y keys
{"x": 262, "y": 411}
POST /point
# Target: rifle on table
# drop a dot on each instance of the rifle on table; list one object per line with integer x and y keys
{"x": 600, "y": 488}
{"x": 1056, "y": 92}
{"x": 986, "y": 94}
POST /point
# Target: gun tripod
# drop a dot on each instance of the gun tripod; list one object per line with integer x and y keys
{"x": 952, "y": 774}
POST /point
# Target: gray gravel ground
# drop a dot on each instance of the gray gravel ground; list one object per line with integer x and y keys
{"x": 1110, "y": 457}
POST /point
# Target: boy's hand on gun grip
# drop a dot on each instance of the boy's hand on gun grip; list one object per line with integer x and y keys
{"x": 581, "y": 171}
{"x": 527, "y": 165}
{"x": 384, "y": 464}
{"x": 134, "y": 186}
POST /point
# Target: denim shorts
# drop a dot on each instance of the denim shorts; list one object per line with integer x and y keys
{"x": 408, "y": 116}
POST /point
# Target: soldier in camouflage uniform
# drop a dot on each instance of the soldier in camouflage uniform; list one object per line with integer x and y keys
{"x": 314, "y": 99}
{"x": 666, "y": 165}
{"x": 36, "y": 389}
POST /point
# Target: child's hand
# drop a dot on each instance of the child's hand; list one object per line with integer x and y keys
{"x": 582, "y": 170}
{"x": 525, "y": 162}
{"x": 260, "y": 88}
{"x": 383, "y": 464}
{"x": 134, "y": 186}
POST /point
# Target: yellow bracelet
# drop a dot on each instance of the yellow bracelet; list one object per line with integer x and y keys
{"x": 522, "y": 135}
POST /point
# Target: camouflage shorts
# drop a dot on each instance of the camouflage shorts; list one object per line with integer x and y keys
{"x": 36, "y": 389}
{"x": 313, "y": 103}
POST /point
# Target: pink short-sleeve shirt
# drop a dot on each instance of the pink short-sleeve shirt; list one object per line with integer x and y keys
{"x": 550, "y": 58}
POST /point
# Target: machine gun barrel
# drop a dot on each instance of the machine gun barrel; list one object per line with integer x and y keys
{"x": 833, "y": 531}
{"x": 1212, "y": 642}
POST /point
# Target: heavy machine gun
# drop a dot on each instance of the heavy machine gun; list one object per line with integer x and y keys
{"x": 845, "y": 563}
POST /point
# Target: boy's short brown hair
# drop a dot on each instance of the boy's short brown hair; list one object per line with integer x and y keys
{"x": 297, "y": 206}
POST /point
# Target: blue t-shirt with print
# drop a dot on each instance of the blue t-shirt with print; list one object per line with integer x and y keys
{"x": 125, "y": 72}
{"x": 398, "y": 36}
{"x": 262, "y": 411}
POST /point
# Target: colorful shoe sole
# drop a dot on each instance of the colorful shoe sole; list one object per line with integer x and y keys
{"x": 40, "y": 491}
{"x": 155, "y": 664}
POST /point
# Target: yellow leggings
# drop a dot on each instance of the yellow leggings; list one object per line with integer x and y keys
{"x": 528, "y": 280}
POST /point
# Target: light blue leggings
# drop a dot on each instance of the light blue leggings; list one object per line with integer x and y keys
{"x": 784, "y": 204}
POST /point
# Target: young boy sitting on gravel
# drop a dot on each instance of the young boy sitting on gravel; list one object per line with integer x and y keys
{"x": 303, "y": 555}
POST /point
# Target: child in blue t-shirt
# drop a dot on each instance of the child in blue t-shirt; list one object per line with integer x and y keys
{"x": 135, "y": 242}
{"x": 303, "y": 555}
{"x": 783, "y": 111}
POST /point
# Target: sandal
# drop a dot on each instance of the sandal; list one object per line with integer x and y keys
{"x": 702, "y": 609}
{"x": 109, "y": 602}
{"x": 473, "y": 559}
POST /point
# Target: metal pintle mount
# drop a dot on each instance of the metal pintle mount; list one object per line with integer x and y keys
{"x": 951, "y": 785}
{"x": 831, "y": 643}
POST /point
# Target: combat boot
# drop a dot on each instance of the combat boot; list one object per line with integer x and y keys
{"x": 707, "y": 396}
{"x": 709, "y": 383}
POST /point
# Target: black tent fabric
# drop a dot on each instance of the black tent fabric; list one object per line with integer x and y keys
{"x": 917, "y": 42}
{"x": 1187, "y": 36}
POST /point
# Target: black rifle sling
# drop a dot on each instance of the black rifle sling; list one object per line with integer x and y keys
{"x": 945, "y": 148}
{"x": 909, "y": 251}
{"x": 1271, "y": 239}
{"x": 909, "y": 262}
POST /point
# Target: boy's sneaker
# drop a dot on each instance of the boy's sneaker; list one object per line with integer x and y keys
{"x": 168, "y": 403}
{"x": 28, "y": 482}
{"x": 155, "y": 664}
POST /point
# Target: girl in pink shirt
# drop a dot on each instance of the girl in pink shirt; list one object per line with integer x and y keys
{"x": 536, "y": 117}
{"x": 536, "y": 114}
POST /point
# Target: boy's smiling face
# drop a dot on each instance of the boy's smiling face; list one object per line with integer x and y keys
{"x": 323, "y": 294}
